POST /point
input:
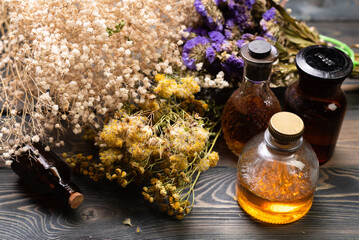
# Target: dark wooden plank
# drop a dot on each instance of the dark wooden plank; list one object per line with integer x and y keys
{"x": 347, "y": 32}
{"x": 24, "y": 215}
{"x": 320, "y": 10}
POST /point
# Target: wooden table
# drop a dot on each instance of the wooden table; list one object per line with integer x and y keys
{"x": 216, "y": 215}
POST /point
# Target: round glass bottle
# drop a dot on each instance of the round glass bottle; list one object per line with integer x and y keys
{"x": 317, "y": 96}
{"x": 278, "y": 172}
{"x": 248, "y": 110}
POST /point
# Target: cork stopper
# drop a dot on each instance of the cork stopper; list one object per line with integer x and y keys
{"x": 286, "y": 127}
{"x": 75, "y": 200}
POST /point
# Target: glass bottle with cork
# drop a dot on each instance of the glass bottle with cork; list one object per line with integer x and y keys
{"x": 278, "y": 172}
{"x": 317, "y": 96}
{"x": 249, "y": 108}
{"x": 46, "y": 173}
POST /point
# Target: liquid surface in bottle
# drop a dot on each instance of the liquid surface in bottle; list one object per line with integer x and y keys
{"x": 277, "y": 194}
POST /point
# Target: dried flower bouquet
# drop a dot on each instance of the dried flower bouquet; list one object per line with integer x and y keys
{"x": 129, "y": 70}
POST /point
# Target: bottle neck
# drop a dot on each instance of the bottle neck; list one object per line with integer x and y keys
{"x": 249, "y": 86}
{"x": 257, "y": 72}
{"x": 316, "y": 88}
{"x": 278, "y": 146}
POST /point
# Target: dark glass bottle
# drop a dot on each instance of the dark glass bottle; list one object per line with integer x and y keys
{"x": 46, "y": 173}
{"x": 317, "y": 96}
{"x": 249, "y": 108}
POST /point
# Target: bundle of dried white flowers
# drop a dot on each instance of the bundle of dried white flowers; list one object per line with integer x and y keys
{"x": 60, "y": 67}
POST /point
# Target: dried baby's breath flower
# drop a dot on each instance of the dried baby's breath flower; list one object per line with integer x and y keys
{"x": 72, "y": 63}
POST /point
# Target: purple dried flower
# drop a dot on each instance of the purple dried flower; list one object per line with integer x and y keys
{"x": 232, "y": 65}
{"x": 260, "y": 38}
{"x": 198, "y": 31}
{"x": 192, "y": 51}
{"x": 249, "y": 3}
{"x": 247, "y": 36}
{"x": 216, "y": 36}
{"x": 230, "y": 23}
{"x": 268, "y": 35}
{"x": 210, "y": 54}
{"x": 269, "y": 14}
{"x": 217, "y": 47}
{"x": 240, "y": 13}
{"x": 200, "y": 8}
{"x": 218, "y": 2}
{"x": 240, "y": 43}
{"x": 228, "y": 33}
{"x": 263, "y": 25}
{"x": 211, "y": 14}
{"x": 233, "y": 60}
{"x": 224, "y": 32}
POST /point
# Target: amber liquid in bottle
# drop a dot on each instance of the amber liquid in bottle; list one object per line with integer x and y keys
{"x": 322, "y": 110}
{"x": 250, "y": 107}
{"x": 246, "y": 117}
{"x": 275, "y": 198}
{"x": 272, "y": 210}
{"x": 317, "y": 96}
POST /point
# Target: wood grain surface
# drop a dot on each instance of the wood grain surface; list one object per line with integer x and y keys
{"x": 329, "y": 10}
{"x": 216, "y": 215}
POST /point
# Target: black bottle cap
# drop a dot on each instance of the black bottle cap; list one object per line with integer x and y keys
{"x": 322, "y": 62}
{"x": 259, "y": 49}
{"x": 259, "y": 56}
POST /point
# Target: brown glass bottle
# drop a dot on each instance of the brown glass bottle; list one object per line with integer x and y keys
{"x": 317, "y": 96}
{"x": 250, "y": 107}
{"x": 46, "y": 173}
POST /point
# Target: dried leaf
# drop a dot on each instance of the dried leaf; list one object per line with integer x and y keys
{"x": 299, "y": 41}
{"x": 127, "y": 221}
{"x": 296, "y": 28}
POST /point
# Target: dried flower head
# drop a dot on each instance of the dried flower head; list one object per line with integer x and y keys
{"x": 65, "y": 64}
{"x": 164, "y": 150}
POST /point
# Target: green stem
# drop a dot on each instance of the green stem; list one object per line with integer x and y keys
{"x": 191, "y": 190}
{"x": 342, "y": 46}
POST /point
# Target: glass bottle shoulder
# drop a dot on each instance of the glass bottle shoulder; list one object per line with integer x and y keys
{"x": 295, "y": 97}
{"x": 264, "y": 169}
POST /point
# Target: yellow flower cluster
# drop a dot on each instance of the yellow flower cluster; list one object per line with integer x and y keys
{"x": 183, "y": 89}
{"x": 208, "y": 161}
{"x": 186, "y": 139}
{"x": 163, "y": 147}
{"x": 168, "y": 153}
{"x": 194, "y": 105}
{"x": 83, "y": 165}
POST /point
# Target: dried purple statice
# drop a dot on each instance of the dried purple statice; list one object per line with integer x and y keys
{"x": 194, "y": 50}
{"x": 211, "y": 14}
{"x": 269, "y": 14}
